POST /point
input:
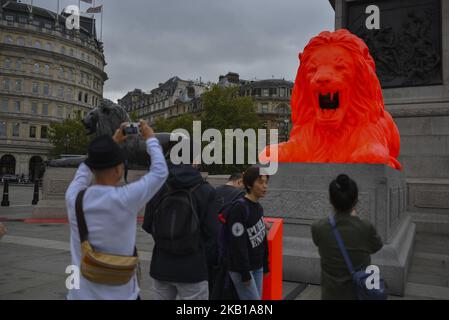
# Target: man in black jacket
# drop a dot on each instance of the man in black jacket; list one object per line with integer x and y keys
{"x": 185, "y": 276}
{"x": 230, "y": 191}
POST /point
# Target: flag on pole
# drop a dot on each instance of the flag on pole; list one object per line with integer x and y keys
{"x": 87, "y": 1}
{"x": 95, "y": 9}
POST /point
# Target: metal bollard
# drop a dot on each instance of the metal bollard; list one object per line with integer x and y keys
{"x": 5, "y": 201}
{"x": 36, "y": 192}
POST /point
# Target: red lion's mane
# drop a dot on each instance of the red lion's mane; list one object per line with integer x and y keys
{"x": 366, "y": 125}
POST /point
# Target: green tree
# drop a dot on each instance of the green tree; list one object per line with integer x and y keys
{"x": 225, "y": 109}
{"x": 184, "y": 121}
{"x": 68, "y": 137}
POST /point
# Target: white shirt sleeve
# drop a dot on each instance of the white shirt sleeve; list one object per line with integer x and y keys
{"x": 135, "y": 195}
{"x": 82, "y": 179}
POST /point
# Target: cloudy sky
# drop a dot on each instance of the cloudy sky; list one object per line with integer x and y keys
{"x": 149, "y": 41}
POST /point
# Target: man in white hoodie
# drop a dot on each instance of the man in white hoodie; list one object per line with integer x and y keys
{"x": 110, "y": 210}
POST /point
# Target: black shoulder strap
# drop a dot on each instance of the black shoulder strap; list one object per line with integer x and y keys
{"x": 82, "y": 227}
{"x": 236, "y": 194}
{"x": 81, "y": 221}
{"x": 191, "y": 190}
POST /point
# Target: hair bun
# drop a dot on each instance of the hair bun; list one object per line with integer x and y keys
{"x": 343, "y": 181}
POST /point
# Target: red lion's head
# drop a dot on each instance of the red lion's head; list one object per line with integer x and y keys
{"x": 338, "y": 111}
{"x": 336, "y": 83}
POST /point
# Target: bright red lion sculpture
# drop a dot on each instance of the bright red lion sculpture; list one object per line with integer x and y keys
{"x": 338, "y": 112}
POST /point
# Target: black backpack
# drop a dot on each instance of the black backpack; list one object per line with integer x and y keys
{"x": 223, "y": 287}
{"x": 224, "y": 235}
{"x": 175, "y": 222}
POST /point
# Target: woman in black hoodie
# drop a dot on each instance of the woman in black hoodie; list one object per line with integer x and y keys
{"x": 248, "y": 247}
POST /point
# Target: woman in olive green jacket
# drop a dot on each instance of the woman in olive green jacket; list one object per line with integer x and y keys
{"x": 359, "y": 237}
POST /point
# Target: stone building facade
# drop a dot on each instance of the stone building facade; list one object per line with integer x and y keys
{"x": 167, "y": 100}
{"x": 176, "y": 97}
{"x": 47, "y": 74}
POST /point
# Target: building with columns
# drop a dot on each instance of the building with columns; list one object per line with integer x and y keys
{"x": 47, "y": 73}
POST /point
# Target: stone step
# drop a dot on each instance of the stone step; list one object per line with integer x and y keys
{"x": 423, "y": 291}
{"x": 433, "y": 223}
{"x": 429, "y": 268}
{"x": 434, "y": 276}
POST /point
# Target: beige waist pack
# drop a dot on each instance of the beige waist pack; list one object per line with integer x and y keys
{"x": 99, "y": 267}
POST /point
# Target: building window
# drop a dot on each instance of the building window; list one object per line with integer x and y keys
{"x": 46, "y": 89}
{"x": 7, "y": 63}
{"x": 71, "y": 75}
{"x": 9, "y": 20}
{"x": 43, "y": 132}
{"x": 60, "y": 112}
{"x": 61, "y": 92}
{"x": 85, "y": 98}
{"x": 37, "y": 44}
{"x": 8, "y": 39}
{"x": 17, "y": 106}
{"x": 34, "y": 107}
{"x": 18, "y": 85}
{"x": 62, "y": 49}
{"x": 20, "y": 41}
{"x": 82, "y": 55}
{"x": 61, "y": 72}
{"x": 5, "y": 105}
{"x": 69, "y": 94}
{"x": 6, "y": 84}
{"x": 49, "y": 46}
{"x": 282, "y": 92}
{"x": 15, "y": 129}
{"x": 32, "y": 131}
{"x": 19, "y": 65}
{"x": 273, "y": 92}
{"x": 47, "y": 69}
{"x": 45, "y": 109}
{"x": 35, "y": 87}
{"x": 82, "y": 77}
{"x": 80, "y": 96}
{"x": 264, "y": 108}
{"x": 37, "y": 67}
{"x": 2, "y": 129}
{"x": 265, "y": 92}
{"x": 71, "y": 52}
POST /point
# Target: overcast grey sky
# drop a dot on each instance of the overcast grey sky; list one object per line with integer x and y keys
{"x": 149, "y": 41}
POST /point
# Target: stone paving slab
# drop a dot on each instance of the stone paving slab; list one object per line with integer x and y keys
{"x": 16, "y": 279}
{"x": 312, "y": 292}
{"x": 33, "y": 258}
{"x": 50, "y": 290}
{"x": 15, "y": 253}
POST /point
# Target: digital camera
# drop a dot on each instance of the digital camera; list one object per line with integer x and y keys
{"x": 131, "y": 129}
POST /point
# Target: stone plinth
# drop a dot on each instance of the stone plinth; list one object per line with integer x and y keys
{"x": 55, "y": 183}
{"x": 298, "y": 193}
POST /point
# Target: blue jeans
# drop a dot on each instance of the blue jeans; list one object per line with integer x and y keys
{"x": 253, "y": 291}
